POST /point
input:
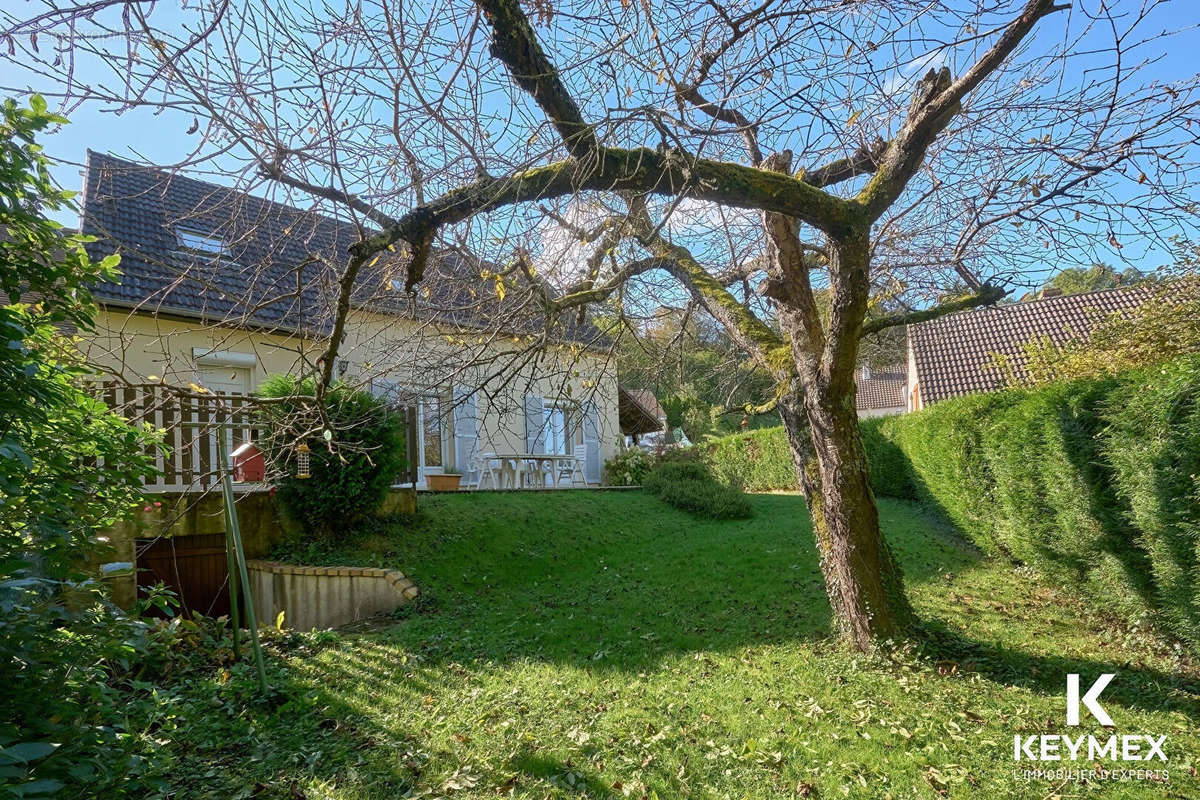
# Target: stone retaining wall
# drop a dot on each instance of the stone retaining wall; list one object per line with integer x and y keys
{"x": 325, "y": 597}
{"x": 262, "y": 523}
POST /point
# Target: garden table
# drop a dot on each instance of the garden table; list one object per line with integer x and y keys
{"x": 512, "y": 471}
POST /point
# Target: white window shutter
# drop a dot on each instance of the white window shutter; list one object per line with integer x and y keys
{"x": 466, "y": 433}
{"x": 535, "y": 429}
{"x": 591, "y": 443}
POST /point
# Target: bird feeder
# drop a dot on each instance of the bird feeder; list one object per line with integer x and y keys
{"x": 303, "y": 465}
{"x": 249, "y": 466}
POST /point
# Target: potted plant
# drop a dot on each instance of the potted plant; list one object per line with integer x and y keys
{"x": 447, "y": 481}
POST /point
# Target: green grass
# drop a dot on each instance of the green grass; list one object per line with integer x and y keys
{"x": 604, "y": 645}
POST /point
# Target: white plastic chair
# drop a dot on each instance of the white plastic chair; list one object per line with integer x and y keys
{"x": 574, "y": 467}
{"x": 488, "y": 466}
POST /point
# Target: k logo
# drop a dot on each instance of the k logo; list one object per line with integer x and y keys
{"x": 1089, "y": 699}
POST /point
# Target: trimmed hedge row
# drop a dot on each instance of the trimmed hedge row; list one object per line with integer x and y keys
{"x": 761, "y": 461}
{"x": 1094, "y": 482}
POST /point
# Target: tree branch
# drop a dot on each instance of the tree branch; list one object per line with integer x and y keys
{"x": 987, "y": 296}
{"x": 641, "y": 170}
{"x": 516, "y": 46}
{"x": 935, "y": 101}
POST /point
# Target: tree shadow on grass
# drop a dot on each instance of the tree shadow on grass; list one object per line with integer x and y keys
{"x": 577, "y": 779}
{"x": 231, "y": 738}
{"x": 1134, "y": 687}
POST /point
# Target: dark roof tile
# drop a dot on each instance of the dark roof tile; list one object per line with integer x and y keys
{"x": 281, "y": 264}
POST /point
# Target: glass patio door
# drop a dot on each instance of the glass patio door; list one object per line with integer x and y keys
{"x": 430, "y": 432}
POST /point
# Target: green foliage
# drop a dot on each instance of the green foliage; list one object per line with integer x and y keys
{"x": 1163, "y": 328}
{"x": 1076, "y": 280}
{"x": 761, "y": 460}
{"x": 69, "y": 468}
{"x": 891, "y": 475}
{"x": 1091, "y": 482}
{"x": 756, "y": 461}
{"x": 628, "y": 467}
{"x": 356, "y": 449}
{"x": 687, "y": 484}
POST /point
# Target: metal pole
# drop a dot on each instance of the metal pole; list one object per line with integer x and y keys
{"x": 236, "y": 534}
{"x": 234, "y": 611}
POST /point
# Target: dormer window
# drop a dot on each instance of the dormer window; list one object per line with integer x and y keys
{"x": 197, "y": 242}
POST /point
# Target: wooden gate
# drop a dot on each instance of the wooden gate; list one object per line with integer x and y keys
{"x": 194, "y": 567}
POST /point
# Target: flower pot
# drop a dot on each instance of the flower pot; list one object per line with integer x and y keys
{"x": 443, "y": 483}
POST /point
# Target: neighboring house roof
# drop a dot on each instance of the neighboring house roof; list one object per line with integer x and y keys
{"x": 278, "y": 266}
{"x": 881, "y": 387}
{"x": 957, "y": 354}
{"x": 639, "y": 411}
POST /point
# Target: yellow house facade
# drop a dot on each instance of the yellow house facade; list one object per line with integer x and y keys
{"x": 201, "y": 302}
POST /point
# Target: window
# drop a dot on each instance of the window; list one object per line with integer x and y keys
{"x": 556, "y": 430}
{"x": 431, "y": 421}
{"x": 198, "y": 242}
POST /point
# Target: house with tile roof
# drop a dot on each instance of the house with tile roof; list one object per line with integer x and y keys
{"x": 978, "y": 350}
{"x": 220, "y": 288}
{"x": 880, "y": 390}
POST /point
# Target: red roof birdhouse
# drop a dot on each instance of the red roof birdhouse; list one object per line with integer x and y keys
{"x": 249, "y": 466}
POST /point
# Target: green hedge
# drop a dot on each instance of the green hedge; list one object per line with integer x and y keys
{"x": 756, "y": 461}
{"x": 761, "y": 461}
{"x": 1095, "y": 482}
{"x": 689, "y": 485}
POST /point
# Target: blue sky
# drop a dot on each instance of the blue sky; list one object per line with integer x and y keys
{"x": 160, "y": 138}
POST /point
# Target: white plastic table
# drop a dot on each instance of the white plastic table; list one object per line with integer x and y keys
{"x": 511, "y": 467}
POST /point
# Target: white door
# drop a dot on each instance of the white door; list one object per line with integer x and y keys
{"x": 223, "y": 380}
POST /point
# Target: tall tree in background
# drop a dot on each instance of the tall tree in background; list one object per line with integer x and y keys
{"x": 750, "y": 155}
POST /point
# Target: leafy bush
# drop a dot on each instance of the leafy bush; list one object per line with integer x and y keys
{"x": 1091, "y": 482}
{"x": 756, "y": 461}
{"x": 69, "y": 468}
{"x": 687, "y": 483}
{"x": 628, "y": 467}
{"x": 354, "y": 461}
{"x": 1160, "y": 329}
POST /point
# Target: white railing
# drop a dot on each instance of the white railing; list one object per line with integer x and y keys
{"x": 191, "y": 424}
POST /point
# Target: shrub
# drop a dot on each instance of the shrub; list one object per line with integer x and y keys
{"x": 687, "y": 483}
{"x": 353, "y": 462}
{"x": 1091, "y": 482}
{"x": 72, "y": 667}
{"x": 756, "y": 461}
{"x": 628, "y": 467}
{"x": 761, "y": 460}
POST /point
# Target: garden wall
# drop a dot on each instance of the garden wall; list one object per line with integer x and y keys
{"x": 201, "y": 513}
{"x": 1095, "y": 483}
{"x": 324, "y": 597}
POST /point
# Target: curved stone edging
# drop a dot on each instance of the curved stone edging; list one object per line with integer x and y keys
{"x": 325, "y": 597}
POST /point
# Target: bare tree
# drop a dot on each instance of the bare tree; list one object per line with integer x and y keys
{"x": 913, "y": 157}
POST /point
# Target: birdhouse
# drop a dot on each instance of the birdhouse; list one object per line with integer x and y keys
{"x": 303, "y": 465}
{"x": 249, "y": 466}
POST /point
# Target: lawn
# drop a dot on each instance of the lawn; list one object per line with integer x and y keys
{"x": 604, "y": 645}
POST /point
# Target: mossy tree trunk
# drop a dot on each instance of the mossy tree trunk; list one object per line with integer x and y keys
{"x": 862, "y": 578}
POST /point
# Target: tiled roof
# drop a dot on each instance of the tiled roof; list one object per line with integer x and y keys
{"x": 280, "y": 267}
{"x": 956, "y": 354}
{"x": 883, "y": 389}
{"x": 635, "y": 415}
{"x": 646, "y": 399}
